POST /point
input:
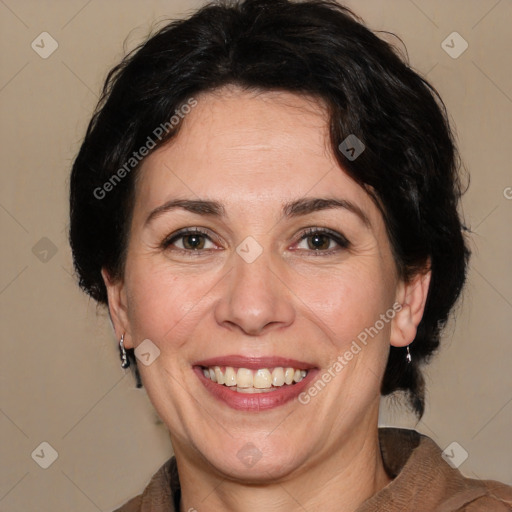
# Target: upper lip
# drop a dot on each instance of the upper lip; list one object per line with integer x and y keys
{"x": 255, "y": 363}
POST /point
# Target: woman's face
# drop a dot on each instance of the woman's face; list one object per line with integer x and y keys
{"x": 288, "y": 265}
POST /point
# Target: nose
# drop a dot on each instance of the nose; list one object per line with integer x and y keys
{"x": 255, "y": 298}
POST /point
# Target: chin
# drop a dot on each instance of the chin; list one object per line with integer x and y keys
{"x": 258, "y": 471}
{"x": 255, "y": 462}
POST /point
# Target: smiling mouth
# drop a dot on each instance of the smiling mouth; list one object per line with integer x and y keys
{"x": 262, "y": 380}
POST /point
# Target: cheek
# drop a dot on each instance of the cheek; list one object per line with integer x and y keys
{"x": 347, "y": 301}
{"x": 161, "y": 303}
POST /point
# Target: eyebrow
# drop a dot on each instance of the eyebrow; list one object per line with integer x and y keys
{"x": 292, "y": 209}
{"x": 313, "y": 204}
{"x": 200, "y": 207}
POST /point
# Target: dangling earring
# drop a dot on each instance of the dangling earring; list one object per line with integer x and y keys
{"x": 408, "y": 356}
{"x": 124, "y": 357}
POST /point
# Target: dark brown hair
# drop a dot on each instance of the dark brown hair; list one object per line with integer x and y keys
{"x": 317, "y": 48}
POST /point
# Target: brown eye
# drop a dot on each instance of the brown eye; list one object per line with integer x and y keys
{"x": 318, "y": 242}
{"x": 322, "y": 241}
{"x": 193, "y": 242}
{"x": 189, "y": 240}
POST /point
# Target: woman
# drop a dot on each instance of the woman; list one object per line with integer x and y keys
{"x": 266, "y": 199}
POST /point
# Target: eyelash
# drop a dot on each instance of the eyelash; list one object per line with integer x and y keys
{"x": 340, "y": 240}
{"x": 183, "y": 233}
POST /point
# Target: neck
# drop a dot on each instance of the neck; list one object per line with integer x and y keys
{"x": 342, "y": 480}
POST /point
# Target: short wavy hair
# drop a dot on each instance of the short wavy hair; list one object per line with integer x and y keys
{"x": 318, "y": 48}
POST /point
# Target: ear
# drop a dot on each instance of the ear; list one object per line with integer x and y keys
{"x": 117, "y": 306}
{"x": 412, "y": 296}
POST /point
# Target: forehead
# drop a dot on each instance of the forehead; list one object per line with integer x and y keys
{"x": 251, "y": 148}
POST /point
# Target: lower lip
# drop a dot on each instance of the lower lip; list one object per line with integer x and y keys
{"x": 255, "y": 401}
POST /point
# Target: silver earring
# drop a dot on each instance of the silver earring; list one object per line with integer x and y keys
{"x": 124, "y": 357}
{"x": 408, "y": 356}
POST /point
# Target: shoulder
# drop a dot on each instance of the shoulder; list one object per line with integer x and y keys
{"x": 480, "y": 496}
{"x": 161, "y": 493}
{"x": 425, "y": 479}
{"x": 134, "y": 505}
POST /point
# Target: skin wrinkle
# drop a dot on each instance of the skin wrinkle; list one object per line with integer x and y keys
{"x": 291, "y": 209}
{"x": 312, "y": 312}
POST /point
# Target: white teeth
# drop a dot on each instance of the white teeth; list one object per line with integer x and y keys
{"x": 219, "y": 376}
{"x": 262, "y": 380}
{"x": 253, "y": 390}
{"x": 288, "y": 375}
{"x": 244, "y": 378}
{"x": 278, "y": 376}
{"x": 229, "y": 377}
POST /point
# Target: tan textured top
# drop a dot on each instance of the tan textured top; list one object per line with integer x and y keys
{"x": 422, "y": 482}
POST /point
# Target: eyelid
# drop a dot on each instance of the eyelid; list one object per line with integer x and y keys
{"x": 340, "y": 239}
{"x": 167, "y": 241}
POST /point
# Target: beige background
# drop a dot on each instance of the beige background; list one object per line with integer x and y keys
{"x": 60, "y": 376}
